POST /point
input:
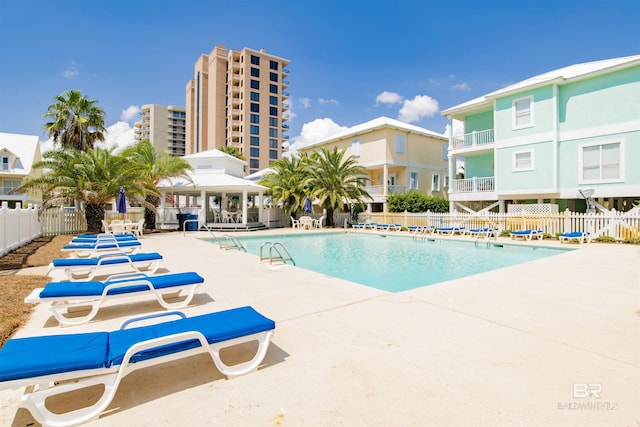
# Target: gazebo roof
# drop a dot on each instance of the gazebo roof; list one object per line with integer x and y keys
{"x": 212, "y": 180}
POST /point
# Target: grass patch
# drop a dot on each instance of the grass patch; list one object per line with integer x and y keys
{"x": 13, "y": 311}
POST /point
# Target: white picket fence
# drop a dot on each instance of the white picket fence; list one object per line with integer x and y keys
{"x": 619, "y": 225}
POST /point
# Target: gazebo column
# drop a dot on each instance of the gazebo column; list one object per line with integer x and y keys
{"x": 244, "y": 206}
{"x": 202, "y": 214}
{"x": 163, "y": 203}
{"x": 260, "y": 197}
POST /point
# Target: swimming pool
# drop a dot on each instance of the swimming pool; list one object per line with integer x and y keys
{"x": 395, "y": 263}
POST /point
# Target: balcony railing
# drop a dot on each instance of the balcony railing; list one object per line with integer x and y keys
{"x": 378, "y": 190}
{"x": 474, "y": 139}
{"x": 474, "y": 185}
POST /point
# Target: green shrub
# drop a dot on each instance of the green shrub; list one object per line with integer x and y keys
{"x": 415, "y": 202}
{"x": 605, "y": 239}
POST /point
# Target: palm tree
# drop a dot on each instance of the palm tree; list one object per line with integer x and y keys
{"x": 288, "y": 183}
{"x": 93, "y": 177}
{"x": 155, "y": 167}
{"x": 75, "y": 121}
{"x": 336, "y": 180}
{"x": 233, "y": 151}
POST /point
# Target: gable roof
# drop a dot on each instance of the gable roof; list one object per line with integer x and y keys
{"x": 379, "y": 123}
{"x": 24, "y": 147}
{"x": 561, "y": 75}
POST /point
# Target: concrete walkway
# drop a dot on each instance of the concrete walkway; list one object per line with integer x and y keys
{"x": 517, "y": 346}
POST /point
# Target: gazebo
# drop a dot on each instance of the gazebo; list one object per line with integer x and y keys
{"x": 216, "y": 191}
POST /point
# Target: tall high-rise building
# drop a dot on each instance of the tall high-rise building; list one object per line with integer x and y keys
{"x": 164, "y": 126}
{"x": 238, "y": 99}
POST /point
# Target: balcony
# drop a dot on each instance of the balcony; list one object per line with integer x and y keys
{"x": 474, "y": 185}
{"x": 378, "y": 190}
{"x": 285, "y": 83}
{"x": 285, "y": 126}
{"x": 474, "y": 139}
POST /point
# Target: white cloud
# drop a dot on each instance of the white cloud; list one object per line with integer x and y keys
{"x": 458, "y": 128}
{"x": 461, "y": 86}
{"x": 314, "y": 131}
{"x": 327, "y": 101}
{"x": 306, "y": 102}
{"x": 132, "y": 112}
{"x": 388, "y": 98}
{"x": 417, "y": 108}
{"x": 71, "y": 71}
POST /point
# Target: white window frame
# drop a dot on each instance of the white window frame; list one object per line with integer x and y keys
{"x": 435, "y": 182}
{"x": 445, "y": 152}
{"x": 399, "y": 143}
{"x": 355, "y": 147}
{"x": 5, "y": 163}
{"x": 515, "y": 114}
{"x": 621, "y": 171}
{"x": 413, "y": 180}
{"x": 514, "y": 163}
{"x": 446, "y": 181}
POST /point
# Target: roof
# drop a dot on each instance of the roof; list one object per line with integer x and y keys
{"x": 214, "y": 153}
{"x": 379, "y": 123}
{"x": 561, "y": 75}
{"x": 22, "y": 146}
{"x": 212, "y": 179}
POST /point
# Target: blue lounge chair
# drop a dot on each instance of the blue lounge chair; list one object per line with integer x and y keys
{"x": 56, "y": 364}
{"x": 451, "y": 230}
{"x": 93, "y": 238}
{"x": 526, "y": 234}
{"x": 69, "y": 296}
{"x": 88, "y": 268}
{"x": 579, "y": 236}
{"x": 485, "y": 233}
{"x": 101, "y": 245}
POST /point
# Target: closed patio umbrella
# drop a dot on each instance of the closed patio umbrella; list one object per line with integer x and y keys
{"x": 307, "y": 205}
{"x": 121, "y": 203}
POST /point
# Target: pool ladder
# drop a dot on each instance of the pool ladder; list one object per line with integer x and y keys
{"x": 228, "y": 243}
{"x": 277, "y": 253}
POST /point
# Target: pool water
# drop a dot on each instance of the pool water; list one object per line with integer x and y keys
{"x": 395, "y": 263}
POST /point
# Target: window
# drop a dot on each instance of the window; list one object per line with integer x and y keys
{"x": 355, "y": 147}
{"x": 273, "y": 65}
{"x": 601, "y": 162}
{"x": 413, "y": 180}
{"x": 273, "y": 121}
{"x": 254, "y": 140}
{"x": 273, "y": 133}
{"x": 445, "y": 152}
{"x": 254, "y": 152}
{"x": 255, "y": 60}
{"x": 255, "y": 72}
{"x": 254, "y": 118}
{"x": 254, "y": 163}
{"x": 273, "y": 143}
{"x": 273, "y": 154}
{"x": 273, "y": 100}
{"x": 399, "y": 143}
{"x": 522, "y": 111}
{"x": 255, "y": 96}
{"x": 273, "y": 77}
{"x": 273, "y": 88}
{"x": 254, "y": 130}
{"x": 4, "y": 164}
{"x": 435, "y": 182}
{"x": 273, "y": 111}
{"x": 446, "y": 181}
{"x": 255, "y": 84}
{"x": 522, "y": 161}
{"x": 255, "y": 108}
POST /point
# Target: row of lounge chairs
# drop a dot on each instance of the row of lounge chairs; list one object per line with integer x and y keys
{"x": 55, "y": 364}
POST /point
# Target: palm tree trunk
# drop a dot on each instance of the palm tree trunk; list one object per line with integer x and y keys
{"x": 149, "y": 214}
{"x": 330, "y": 217}
{"x": 94, "y": 214}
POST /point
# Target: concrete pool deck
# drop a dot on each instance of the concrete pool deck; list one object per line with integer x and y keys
{"x": 522, "y": 345}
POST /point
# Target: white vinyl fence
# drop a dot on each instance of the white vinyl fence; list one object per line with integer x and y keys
{"x": 18, "y": 226}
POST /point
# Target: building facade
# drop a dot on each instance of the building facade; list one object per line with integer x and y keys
{"x": 569, "y": 137}
{"x": 18, "y": 154}
{"x": 238, "y": 99}
{"x": 398, "y": 157}
{"x": 164, "y": 126}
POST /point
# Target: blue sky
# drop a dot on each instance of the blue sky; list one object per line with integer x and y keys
{"x": 351, "y": 61}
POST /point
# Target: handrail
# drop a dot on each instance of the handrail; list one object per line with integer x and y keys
{"x": 234, "y": 243}
{"x": 279, "y": 257}
{"x": 184, "y": 228}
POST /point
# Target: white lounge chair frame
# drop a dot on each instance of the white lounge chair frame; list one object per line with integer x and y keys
{"x": 83, "y": 272}
{"x": 60, "y": 306}
{"x": 43, "y": 387}
{"x": 580, "y": 239}
{"x": 527, "y": 236}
